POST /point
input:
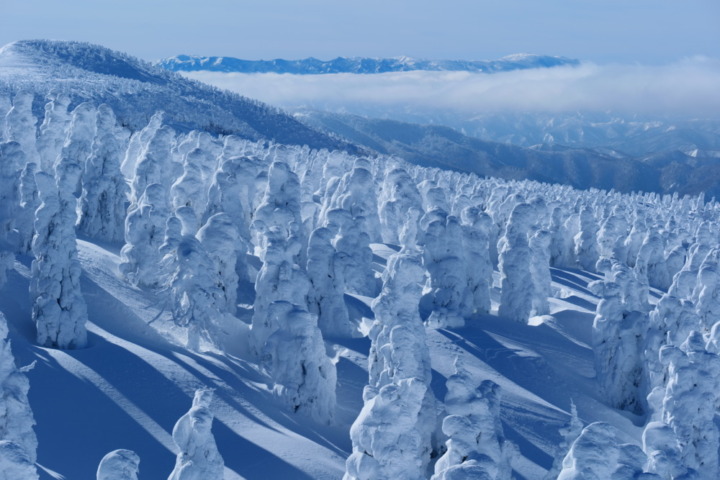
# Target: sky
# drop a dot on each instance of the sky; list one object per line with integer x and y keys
{"x": 649, "y": 32}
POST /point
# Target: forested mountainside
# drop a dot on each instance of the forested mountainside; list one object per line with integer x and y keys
{"x": 255, "y": 311}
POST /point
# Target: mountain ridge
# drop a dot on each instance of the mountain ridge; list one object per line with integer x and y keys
{"x": 359, "y": 65}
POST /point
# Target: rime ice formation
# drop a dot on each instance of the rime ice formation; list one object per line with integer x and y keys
{"x": 515, "y": 260}
{"x": 119, "y": 465}
{"x": 198, "y": 457}
{"x": 59, "y": 309}
{"x": 476, "y": 443}
{"x": 15, "y": 463}
{"x": 16, "y": 417}
{"x": 303, "y": 376}
{"x": 476, "y": 244}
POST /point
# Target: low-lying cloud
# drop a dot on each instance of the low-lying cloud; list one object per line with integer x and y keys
{"x": 688, "y": 88}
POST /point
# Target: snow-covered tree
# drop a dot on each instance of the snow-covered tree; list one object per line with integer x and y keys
{"x": 303, "y": 376}
{"x": 444, "y": 260}
{"x": 399, "y": 195}
{"x": 664, "y": 453}
{"x": 326, "y": 296}
{"x": 103, "y": 203}
{"x": 53, "y": 131}
{"x": 387, "y": 442}
{"x": 476, "y": 245}
{"x": 540, "y": 271}
{"x": 199, "y": 303}
{"x": 59, "y": 310}
{"x": 691, "y": 403}
{"x": 20, "y": 125}
{"x": 220, "y": 239}
{"x": 144, "y": 234}
{"x": 515, "y": 260}
{"x": 354, "y": 256}
{"x": 569, "y": 434}
{"x": 616, "y": 337}
{"x": 16, "y": 417}
{"x": 119, "y": 465}
{"x": 475, "y": 435}
{"x": 279, "y": 279}
{"x": 586, "y": 247}
{"x": 597, "y": 455}
{"x": 198, "y": 456}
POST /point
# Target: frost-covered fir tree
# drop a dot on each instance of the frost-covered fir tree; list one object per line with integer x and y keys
{"x": 616, "y": 345}
{"x": 444, "y": 260}
{"x": 399, "y": 351}
{"x": 198, "y": 456}
{"x": 16, "y": 417}
{"x": 691, "y": 403}
{"x": 664, "y": 453}
{"x": 144, "y": 234}
{"x": 154, "y": 162}
{"x": 119, "y": 465}
{"x": 11, "y": 159}
{"x": 515, "y": 260}
{"x": 597, "y": 455}
{"x": 356, "y": 194}
{"x": 326, "y": 296}
{"x": 199, "y": 302}
{"x": 279, "y": 279}
{"x": 476, "y": 444}
{"x": 476, "y": 244}
{"x": 103, "y": 203}
{"x": 77, "y": 149}
{"x": 59, "y": 310}
{"x": 569, "y": 434}
{"x": 280, "y": 207}
{"x": 387, "y": 444}
{"x": 399, "y": 196}
{"x": 20, "y": 125}
{"x": 29, "y": 203}
{"x": 53, "y": 131}
{"x": 220, "y": 239}
{"x": 540, "y": 271}
{"x": 138, "y": 142}
{"x": 303, "y": 376}
{"x": 354, "y": 256}
{"x": 586, "y": 247}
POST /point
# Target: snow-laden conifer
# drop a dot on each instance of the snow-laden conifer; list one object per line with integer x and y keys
{"x": 144, "y": 234}
{"x": 103, "y": 203}
{"x": 515, "y": 259}
{"x": 220, "y": 239}
{"x": 385, "y": 436}
{"x": 59, "y": 310}
{"x": 616, "y": 346}
{"x": 586, "y": 248}
{"x": 444, "y": 260}
{"x": 279, "y": 279}
{"x": 476, "y": 442}
{"x": 119, "y": 465}
{"x": 303, "y": 376}
{"x": 476, "y": 244}
{"x": 20, "y": 125}
{"x": 16, "y": 416}
{"x": 354, "y": 256}
{"x": 399, "y": 195}
{"x": 53, "y": 131}
{"x": 198, "y": 456}
{"x": 326, "y": 296}
{"x": 540, "y": 271}
{"x": 569, "y": 433}
{"x": 597, "y": 454}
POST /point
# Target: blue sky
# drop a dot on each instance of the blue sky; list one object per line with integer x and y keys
{"x": 624, "y": 31}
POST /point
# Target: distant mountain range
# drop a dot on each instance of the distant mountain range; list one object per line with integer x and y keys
{"x": 313, "y": 66}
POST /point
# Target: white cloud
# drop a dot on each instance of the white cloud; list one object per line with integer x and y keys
{"x": 687, "y": 88}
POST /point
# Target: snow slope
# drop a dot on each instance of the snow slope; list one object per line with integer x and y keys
{"x": 127, "y": 389}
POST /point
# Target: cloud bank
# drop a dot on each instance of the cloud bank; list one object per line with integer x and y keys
{"x": 690, "y": 88}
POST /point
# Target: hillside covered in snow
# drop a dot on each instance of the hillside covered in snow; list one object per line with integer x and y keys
{"x": 181, "y": 303}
